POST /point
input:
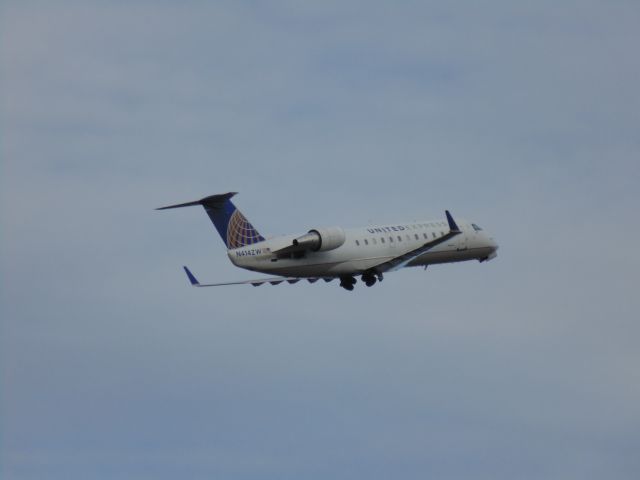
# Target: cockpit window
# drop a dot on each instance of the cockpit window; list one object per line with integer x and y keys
{"x": 476, "y": 227}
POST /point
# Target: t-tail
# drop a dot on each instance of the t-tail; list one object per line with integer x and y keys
{"x": 236, "y": 231}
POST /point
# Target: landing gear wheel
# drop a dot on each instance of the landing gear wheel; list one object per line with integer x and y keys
{"x": 369, "y": 279}
{"x": 347, "y": 283}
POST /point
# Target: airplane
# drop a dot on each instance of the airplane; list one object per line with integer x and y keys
{"x": 330, "y": 253}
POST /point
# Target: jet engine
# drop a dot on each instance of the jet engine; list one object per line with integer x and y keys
{"x": 321, "y": 239}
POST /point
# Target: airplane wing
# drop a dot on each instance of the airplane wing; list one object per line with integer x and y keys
{"x": 256, "y": 283}
{"x": 402, "y": 260}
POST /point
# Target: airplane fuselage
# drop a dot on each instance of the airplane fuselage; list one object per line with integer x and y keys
{"x": 365, "y": 248}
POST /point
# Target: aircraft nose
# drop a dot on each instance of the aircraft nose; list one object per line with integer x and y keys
{"x": 492, "y": 244}
{"x": 493, "y": 249}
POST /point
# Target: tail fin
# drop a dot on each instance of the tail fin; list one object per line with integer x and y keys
{"x": 233, "y": 227}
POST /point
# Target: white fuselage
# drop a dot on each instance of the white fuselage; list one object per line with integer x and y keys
{"x": 364, "y": 248}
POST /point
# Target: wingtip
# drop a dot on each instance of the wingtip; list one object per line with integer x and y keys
{"x": 192, "y": 279}
{"x": 452, "y": 224}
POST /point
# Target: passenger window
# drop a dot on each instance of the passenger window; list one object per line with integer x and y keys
{"x": 425, "y": 236}
{"x": 374, "y": 241}
{"x": 357, "y": 243}
{"x": 434, "y": 234}
{"x": 442, "y": 234}
{"x": 399, "y": 238}
{"x": 381, "y": 239}
{"x": 417, "y": 237}
{"x": 390, "y": 239}
{"x": 366, "y": 242}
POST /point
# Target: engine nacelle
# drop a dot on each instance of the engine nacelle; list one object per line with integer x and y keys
{"x": 321, "y": 239}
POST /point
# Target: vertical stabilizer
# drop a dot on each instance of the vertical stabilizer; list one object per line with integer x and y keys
{"x": 236, "y": 231}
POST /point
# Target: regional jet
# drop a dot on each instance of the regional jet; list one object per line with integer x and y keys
{"x": 329, "y": 253}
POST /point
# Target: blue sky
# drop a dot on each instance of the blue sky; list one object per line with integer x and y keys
{"x": 524, "y": 118}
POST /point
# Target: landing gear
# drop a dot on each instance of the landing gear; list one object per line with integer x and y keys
{"x": 347, "y": 282}
{"x": 369, "y": 279}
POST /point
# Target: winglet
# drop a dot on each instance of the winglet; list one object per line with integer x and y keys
{"x": 452, "y": 224}
{"x": 193, "y": 280}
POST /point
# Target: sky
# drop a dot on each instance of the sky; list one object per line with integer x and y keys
{"x": 523, "y": 117}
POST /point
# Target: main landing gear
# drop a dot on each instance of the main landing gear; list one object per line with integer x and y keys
{"x": 347, "y": 282}
{"x": 369, "y": 278}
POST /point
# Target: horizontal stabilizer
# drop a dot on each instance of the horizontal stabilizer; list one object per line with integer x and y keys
{"x": 211, "y": 200}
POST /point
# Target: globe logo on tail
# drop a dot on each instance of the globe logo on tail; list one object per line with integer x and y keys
{"x": 240, "y": 232}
